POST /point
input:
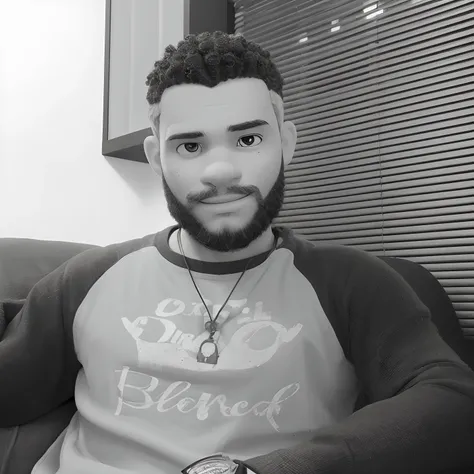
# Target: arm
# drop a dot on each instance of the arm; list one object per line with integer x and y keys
{"x": 421, "y": 416}
{"x": 38, "y": 365}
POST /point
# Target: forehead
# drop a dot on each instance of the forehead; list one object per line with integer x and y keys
{"x": 192, "y": 106}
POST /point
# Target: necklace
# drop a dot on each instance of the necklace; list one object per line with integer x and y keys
{"x": 208, "y": 352}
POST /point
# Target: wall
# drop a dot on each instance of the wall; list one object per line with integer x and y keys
{"x": 54, "y": 182}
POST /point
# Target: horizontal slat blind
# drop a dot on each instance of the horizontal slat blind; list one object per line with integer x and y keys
{"x": 384, "y": 109}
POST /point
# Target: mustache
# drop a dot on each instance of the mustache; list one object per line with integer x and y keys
{"x": 213, "y": 192}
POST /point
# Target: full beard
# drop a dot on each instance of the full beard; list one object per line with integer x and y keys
{"x": 227, "y": 240}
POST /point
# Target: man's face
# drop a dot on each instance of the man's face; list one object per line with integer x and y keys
{"x": 223, "y": 177}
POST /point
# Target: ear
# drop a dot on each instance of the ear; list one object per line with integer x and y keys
{"x": 151, "y": 146}
{"x": 288, "y": 141}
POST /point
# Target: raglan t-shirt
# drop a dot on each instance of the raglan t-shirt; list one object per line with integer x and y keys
{"x": 145, "y": 405}
{"x": 308, "y": 328}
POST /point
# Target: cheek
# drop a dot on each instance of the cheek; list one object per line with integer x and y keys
{"x": 180, "y": 183}
{"x": 264, "y": 170}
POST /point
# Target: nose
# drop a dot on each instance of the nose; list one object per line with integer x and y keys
{"x": 221, "y": 175}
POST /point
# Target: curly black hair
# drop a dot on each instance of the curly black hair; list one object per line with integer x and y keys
{"x": 209, "y": 59}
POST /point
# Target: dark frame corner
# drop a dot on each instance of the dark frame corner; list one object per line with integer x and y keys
{"x": 218, "y": 15}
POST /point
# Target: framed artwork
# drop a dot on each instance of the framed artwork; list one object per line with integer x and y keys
{"x": 136, "y": 34}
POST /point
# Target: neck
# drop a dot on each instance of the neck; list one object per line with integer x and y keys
{"x": 195, "y": 250}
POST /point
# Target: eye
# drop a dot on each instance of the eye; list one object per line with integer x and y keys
{"x": 188, "y": 149}
{"x": 249, "y": 140}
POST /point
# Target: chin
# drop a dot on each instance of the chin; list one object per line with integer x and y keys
{"x": 221, "y": 229}
{"x": 223, "y": 223}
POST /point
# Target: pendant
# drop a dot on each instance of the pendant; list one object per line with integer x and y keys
{"x": 211, "y": 327}
{"x": 208, "y": 352}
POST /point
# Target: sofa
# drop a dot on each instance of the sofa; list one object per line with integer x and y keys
{"x": 23, "y": 262}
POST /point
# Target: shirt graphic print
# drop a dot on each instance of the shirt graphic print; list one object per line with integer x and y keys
{"x": 248, "y": 340}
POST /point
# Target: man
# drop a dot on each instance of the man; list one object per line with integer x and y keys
{"x": 225, "y": 335}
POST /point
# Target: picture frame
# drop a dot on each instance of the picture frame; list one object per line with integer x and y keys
{"x": 218, "y": 15}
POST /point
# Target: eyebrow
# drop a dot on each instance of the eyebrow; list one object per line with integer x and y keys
{"x": 246, "y": 125}
{"x": 238, "y": 127}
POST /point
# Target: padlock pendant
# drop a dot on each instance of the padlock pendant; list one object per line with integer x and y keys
{"x": 208, "y": 352}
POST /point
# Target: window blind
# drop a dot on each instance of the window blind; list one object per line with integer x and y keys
{"x": 382, "y": 95}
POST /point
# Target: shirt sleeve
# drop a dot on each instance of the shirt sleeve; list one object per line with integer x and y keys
{"x": 38, "y": 365}
{"x": 420, "y": 416}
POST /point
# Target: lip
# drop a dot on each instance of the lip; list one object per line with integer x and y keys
{"x": 224, "y": 199}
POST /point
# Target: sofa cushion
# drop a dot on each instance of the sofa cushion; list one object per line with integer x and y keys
{"x": 434, "y": 297}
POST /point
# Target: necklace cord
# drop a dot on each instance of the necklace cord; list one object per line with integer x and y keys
{"x": 213, "y": 327}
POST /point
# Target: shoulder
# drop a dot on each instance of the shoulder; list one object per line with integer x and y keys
{"x": 75, "y": 277}
{"x": 92, "y": 263}
{"x": 349, "y": 282}
{"x": 340, "y": 264}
